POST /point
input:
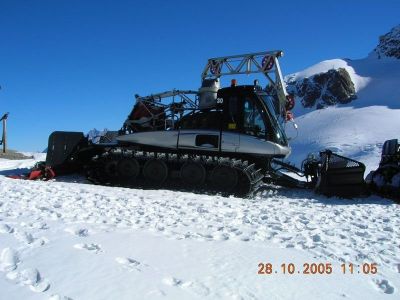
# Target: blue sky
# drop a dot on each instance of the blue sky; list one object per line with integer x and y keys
{"x": 75, "y": 65}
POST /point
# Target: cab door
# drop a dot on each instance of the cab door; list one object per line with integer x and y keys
{"x": 200, "y": 130}
{"x": 231, "y": 124}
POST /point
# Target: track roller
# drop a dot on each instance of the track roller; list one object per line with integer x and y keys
{"x": 128, "y": 168}
{"x": 111, "y": 169}
{"x": 193, "y": 173}
{"x": 224, "y": 178}
{"x": 155, "y": 171}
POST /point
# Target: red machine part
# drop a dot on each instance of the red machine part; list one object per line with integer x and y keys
{"x": 289, "y": 116}
{"x": 268, "y": 62}
{"x": 290, "y": 102}
{"x": 42, "y": 173}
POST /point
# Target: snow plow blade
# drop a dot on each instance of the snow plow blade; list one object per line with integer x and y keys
{"x": 62, "y": 149}
{"x": 341, "y": 176}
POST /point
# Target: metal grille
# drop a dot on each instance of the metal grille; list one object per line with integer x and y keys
{"x": 336, "y": 161}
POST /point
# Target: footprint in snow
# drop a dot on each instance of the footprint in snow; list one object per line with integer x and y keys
{"x": 316, "y": 238}
{"x": 156, "y": 293}
{"x": 384, "y": 285}
{"x": 35, "y": 225}
{"x": 191, "y": 286}
{"x": 171, "y": 281}
{"x": 129, "y": 263}
{"x": 196, "y": 288}
{"x": 58, "y": 297}
{"x": 9, "y": 260}
{"x": 90, "y": 247}
{"x": 40, "y": 242}
{"x": 4, "y": 228}
{"x": 24, "y": 236}
{"x": 82, "y": 232}
{"x": 28, "y": 238}
{"x": 31, "y": 278}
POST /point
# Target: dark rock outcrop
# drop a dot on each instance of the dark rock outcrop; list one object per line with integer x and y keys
{"x": 389, "y": 44}
{"x": 324, "y": 89}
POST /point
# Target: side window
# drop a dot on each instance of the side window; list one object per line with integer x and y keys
{"x": 233, "y": 114}
{"x": 201, "y": 120}
{"x": 253, "y": 124}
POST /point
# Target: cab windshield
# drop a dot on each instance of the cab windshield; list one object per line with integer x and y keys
{"x": 253, "y": 123}
{"x": 277, "y": 120}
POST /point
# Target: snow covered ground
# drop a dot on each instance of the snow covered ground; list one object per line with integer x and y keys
{"x": 71, "y": 240}
{"x": 358, "y": 133}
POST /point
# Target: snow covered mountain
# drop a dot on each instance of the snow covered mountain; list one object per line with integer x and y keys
{"x": 361, "y": 82}
{"x": 361, "y": 115}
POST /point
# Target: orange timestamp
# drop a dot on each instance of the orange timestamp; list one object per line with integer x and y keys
{"x": 317, "y": 268}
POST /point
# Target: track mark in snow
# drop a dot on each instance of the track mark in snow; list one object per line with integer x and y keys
{"x": 129, "y": 263}
{"x": 41, "y": 286}
{"x": 171, "y": 281}
{"x": 40, "y": 242}
{"x": 35, "y": 225}
{"x": 316, "y": 238}
{"x": 196, "y": 288}
{"x": 156, "y": 293}
{"x": 9, "y": 259}
{"x": 384, "y": 286}
{"x": 82, "y": 232}
{"x": 90, "y": 247}
{"x": 4, "y": 228}
{"x": 39, "y": 225}
{"x": 24, "y": 236}
{"x": 29, "y": 239}
{"x": 31, "y": 278}
{"x": 58, "y": 297}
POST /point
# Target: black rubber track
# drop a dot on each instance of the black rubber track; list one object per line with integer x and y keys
{"x": 245, "y": 175}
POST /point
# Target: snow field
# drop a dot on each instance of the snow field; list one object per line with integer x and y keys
{"x": 74, "y": 240}
{"x": 355, "y": 133}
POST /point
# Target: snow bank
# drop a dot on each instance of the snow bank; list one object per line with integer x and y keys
{"x": 355, "y": 132}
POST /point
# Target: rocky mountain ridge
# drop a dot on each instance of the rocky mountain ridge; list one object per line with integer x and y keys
{"x": 338, "y": 85}
{"x": 389, "y": 44}
{"x": 324, "y": 89}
